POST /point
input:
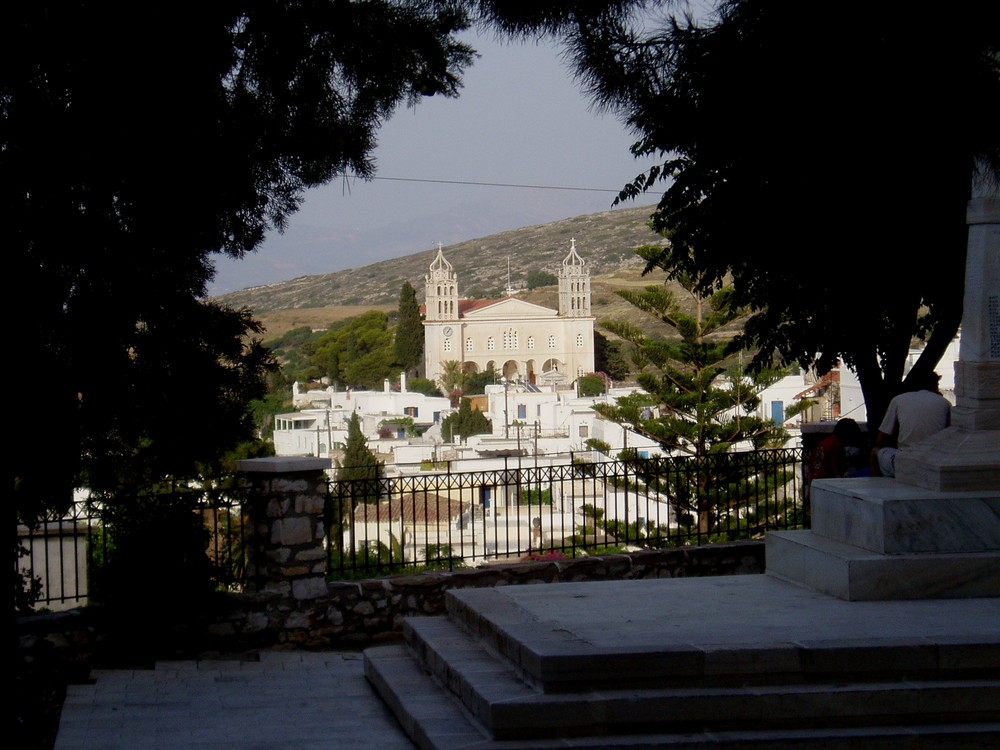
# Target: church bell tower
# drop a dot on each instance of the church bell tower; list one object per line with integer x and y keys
{"x": 574, "y": 285}
{"x": 440, "y": 290}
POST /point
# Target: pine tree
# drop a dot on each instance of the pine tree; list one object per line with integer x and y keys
{"x": 465, "y": 422}
{"x": 408, "y": 346}
{"x": 706, "y": 400}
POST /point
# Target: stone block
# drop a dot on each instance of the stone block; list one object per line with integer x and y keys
{"x": 887, "y": 516}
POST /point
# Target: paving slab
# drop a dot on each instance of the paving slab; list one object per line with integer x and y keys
{"x": 292, "y": 700}
{"x": 281, "y": 700}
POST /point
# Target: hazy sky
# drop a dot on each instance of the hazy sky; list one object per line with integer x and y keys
{"x": 520, "y": 119}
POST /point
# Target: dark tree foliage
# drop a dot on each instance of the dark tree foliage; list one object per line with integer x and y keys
{"x": 465, "y": 422}
{"x": 138, "y": 141}
{"x": 424, "y": 385}
{"x": 358, "y": 461}
{"x": 356, "y": 352}
{"x": 541, "y": 278}
{"x": 610, "y": 358}
{"x": 408, "y": 342}
{"x": 591, "y": 385}
{"x": 818, "y": 158}
{"x": 360, "y": 477}
{"x": 475, "y": 383}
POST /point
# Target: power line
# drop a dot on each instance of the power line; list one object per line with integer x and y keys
{"x": 491, "y": 184}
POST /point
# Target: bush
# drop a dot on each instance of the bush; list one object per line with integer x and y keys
{"x": 425, "y": 386}
{"x": 591, "y": 385}
{"x": 536, "y": 497}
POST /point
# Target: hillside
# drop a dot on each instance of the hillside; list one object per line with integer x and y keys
{"x": 605, "y": 240}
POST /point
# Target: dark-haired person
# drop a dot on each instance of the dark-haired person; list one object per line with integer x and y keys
{"x": 831, "y": 456}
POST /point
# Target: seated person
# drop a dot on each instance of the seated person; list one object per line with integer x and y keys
{"x": 832, "y": 456}
{"x": 912, "y": 417}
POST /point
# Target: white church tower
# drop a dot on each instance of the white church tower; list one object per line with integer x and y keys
{"x": 574, "y": 285}
{"x": 525, "y": 342}
{"x": 441, "y": 290}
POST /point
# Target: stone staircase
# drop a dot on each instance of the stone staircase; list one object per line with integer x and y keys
{"x": 823, "y": 652}
{"x": 498, "y": 672}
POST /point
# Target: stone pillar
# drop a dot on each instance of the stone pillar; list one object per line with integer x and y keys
{"x": 966, "y": 456}
{"x": 287, "y": 499}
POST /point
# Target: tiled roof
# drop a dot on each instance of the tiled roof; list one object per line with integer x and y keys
{"x": 418, "y": 507}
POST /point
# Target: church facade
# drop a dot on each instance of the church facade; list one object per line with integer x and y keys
{"x": 525, "y": 342}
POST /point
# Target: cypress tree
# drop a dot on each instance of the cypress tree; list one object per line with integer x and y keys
{"x": 465, "y": 422}
{"x": 408, "y": 347}
{"x": 359, "y": 472}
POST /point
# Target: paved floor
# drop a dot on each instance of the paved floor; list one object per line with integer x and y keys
{"x": 285, "y": 701}
{"x": 290, "y": 700}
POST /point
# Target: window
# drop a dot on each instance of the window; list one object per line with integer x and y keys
{"x": 531, "y": 342}
{"x": 522, "y": 411}
{"x": 411, "y": 411}
{"x": 468, "y": 344}
{"x": 552, "y": 342}
{"x": 447, "y": 345}
{"x": 583, "y": 431}
{"x": 579, "y": 341}
{"x": 490, "y": 344}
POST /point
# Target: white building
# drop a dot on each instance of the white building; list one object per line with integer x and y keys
{"x": 522, "y": 341}
{"x": 322, "y": 428}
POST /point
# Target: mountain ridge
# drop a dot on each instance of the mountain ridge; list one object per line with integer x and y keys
{"x": 605, "y": 240}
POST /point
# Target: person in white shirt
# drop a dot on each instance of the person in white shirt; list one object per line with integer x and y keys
{"x": 912, "y": 417}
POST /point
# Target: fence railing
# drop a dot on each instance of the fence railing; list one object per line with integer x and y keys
{"x": 443, "y": 520}
{"x": 379, "y": 525}
{"x": 64, "y": 559}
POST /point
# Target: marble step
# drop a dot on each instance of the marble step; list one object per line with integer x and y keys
{"x": 864, "y": 718}
{"x": 552, "y": 657}
{"x": 852, "y": 573}
{"x": 885, "y": 516}
{"x": 499, "y": 698}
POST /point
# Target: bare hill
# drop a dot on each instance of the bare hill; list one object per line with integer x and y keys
{"x": 605, "y": 240}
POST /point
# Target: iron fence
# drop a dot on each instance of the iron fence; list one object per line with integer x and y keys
{"x": 435, "y": 519}
{"x": 64, "y": 559}
{"x": 380, "y": 525}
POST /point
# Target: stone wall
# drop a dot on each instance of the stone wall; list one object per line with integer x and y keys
{"x": 355, "y": 614}
{"x": 289, "y": 604}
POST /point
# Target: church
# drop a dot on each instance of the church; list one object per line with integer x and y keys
{"x": 524, "y": 342}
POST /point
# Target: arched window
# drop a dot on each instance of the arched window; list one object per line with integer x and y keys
{"x": 490, "y": 344}
{"x": 552, "y": 342}
{"x": 531, "y": 342}
{"x": 579, "y": 340}
{"x": 468, "y": 344}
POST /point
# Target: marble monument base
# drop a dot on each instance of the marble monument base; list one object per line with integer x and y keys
{"x": 880, "y": 539}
